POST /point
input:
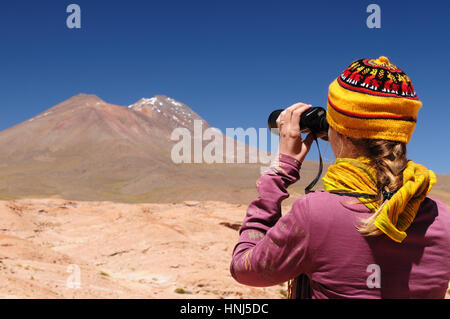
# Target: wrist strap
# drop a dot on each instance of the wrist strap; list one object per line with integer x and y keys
{"x": 308, "y": 188}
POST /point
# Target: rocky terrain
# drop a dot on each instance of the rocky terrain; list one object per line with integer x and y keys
{"x": 120, "y": 250}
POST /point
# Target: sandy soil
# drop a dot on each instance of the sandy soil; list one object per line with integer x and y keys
{"x": 121, "y": 250}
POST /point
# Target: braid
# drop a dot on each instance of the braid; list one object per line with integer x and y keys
{"x": 389, "y": 160}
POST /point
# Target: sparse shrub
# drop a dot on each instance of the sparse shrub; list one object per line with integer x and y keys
{"x": 180, "y": 291}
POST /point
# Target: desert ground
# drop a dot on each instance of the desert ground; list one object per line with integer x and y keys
{"x": 55, "y": 248}
{"x": 121, "y": 250}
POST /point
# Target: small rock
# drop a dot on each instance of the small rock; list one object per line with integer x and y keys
{"x": 191, "y": 203}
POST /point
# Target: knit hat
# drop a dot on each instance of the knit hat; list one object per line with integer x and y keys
{"x": 373, "y": 99}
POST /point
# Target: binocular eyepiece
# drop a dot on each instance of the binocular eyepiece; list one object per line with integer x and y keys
{"x": 313, "y": 120}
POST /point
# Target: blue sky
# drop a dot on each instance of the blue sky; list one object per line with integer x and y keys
{"x": 233, "y": 62}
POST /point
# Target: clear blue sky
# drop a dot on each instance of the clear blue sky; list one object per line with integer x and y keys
{"x": 233, "y": 62}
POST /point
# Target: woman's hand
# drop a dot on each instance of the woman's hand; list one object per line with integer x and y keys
{"x": 291, "y": 142}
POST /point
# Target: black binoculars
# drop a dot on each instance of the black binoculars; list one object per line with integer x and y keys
{"x": 313, "y": 120}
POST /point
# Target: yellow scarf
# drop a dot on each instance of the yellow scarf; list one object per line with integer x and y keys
{"x": 357, "y": 177}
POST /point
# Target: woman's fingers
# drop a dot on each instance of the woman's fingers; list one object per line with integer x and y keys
{"x": 291, "y": 109}
{"x": 281, "y": 119}
{"x": 288, "y": 122}
{"x": 291, "y": 142}
{"x": 287, "y": 116}
{"x": 297, "y": 112}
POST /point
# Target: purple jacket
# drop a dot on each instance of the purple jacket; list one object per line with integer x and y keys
{"x": 318, "y": 238}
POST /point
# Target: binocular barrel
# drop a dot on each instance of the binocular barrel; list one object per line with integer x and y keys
{"x": 313, "y": 120}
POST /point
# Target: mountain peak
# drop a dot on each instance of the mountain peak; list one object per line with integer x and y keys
{"x": 162, "y": 106}
{"x": 86, "y": 98}
{"x": 76, "y": 101}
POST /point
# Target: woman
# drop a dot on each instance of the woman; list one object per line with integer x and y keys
{"x": 373, "y": 232}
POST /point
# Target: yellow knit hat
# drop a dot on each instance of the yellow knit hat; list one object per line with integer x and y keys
{"x": 373, "y": 99}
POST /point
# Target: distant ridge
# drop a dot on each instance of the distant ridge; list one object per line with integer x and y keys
{"x": 87, "y": 149}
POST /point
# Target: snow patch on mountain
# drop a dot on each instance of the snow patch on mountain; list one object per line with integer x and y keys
{"x": 176, "y": 112}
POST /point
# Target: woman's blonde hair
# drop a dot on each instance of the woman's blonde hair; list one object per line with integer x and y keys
{"x": 389, "y": 160}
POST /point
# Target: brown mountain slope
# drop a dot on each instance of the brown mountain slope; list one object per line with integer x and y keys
{"x": 87, "y": 149}
{"x": 79, "y": 147}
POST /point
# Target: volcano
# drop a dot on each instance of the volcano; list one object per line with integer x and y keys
{"x": 87, "y": 149}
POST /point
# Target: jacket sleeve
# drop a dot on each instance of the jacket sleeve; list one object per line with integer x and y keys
{"x": 272, "y": 249}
